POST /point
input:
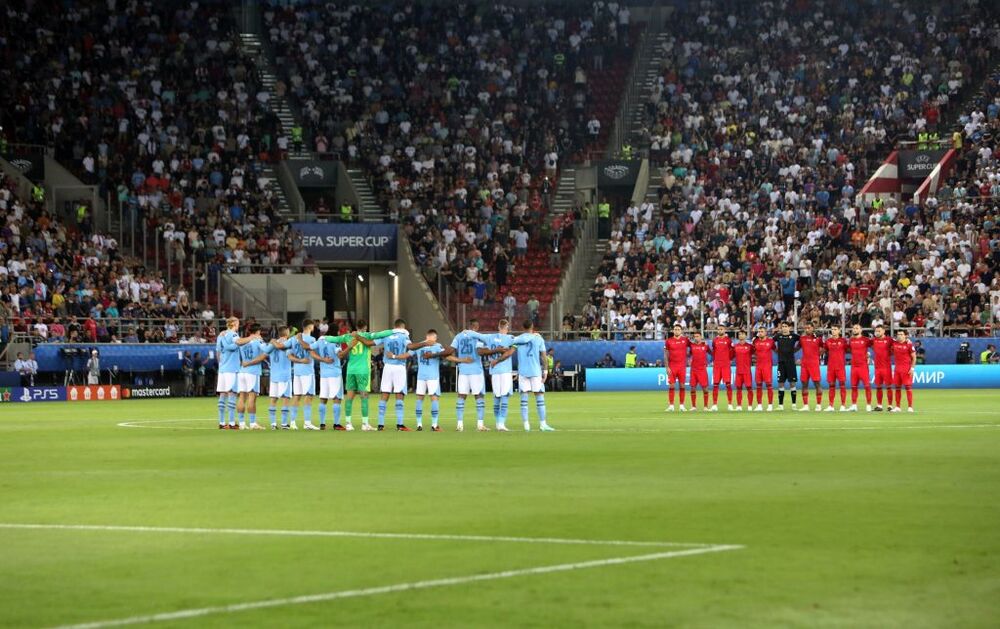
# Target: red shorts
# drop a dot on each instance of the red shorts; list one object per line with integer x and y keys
{"x": 677, "y": 374}
{"x": 883, "y": 375}
{"x": 836, "y": 374}
{"x": 902, "y": 378}
{"x": 743, "y": 379}
{"x": 722, "y": 374}
{"x": 699, "y": 378}
{"x": 764, "y": 375}
{"x": 809, "y": 372}
{"x": 861, "y": 374}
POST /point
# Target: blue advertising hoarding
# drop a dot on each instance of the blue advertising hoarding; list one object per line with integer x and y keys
{"x": 33, "y": 394}
{"x": 349, "y": 242}
{"x": 924, "y": 377}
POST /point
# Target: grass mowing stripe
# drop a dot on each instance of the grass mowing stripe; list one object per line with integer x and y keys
{"x": 361, "y": 534}
{"x": 398, "y": 587}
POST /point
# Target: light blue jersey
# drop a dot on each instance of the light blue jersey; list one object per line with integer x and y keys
{"x": 281, "y": 367}
{"x": 395, "y": 344}
{"x": 529, "y": 347}
{"x": 228, "y": 352}
{"x": 301, "y": 350}
{"x": 328, "y": 350}
{"x": 428, "y": 368}
{"x": 501, "y": 341}
{"x": 248, "y": 352}
{"x": 465, "y": 346}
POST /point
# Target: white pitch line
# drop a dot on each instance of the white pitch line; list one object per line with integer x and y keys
{"x": 351, "y": 534}
{"x": 390, "y": 589}
{"x": 784, "y": 428}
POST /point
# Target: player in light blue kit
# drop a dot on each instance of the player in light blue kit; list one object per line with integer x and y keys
{"x": 227, "y": 351}
{"x": 248, "y": 379}
{"x": 396, "y": 349}
{"x": 303, "y": 375}
{"x": 429, "y": 377}
{"x": 501, "y": 372}
{"x": 532, "y": 369}
{"x": 280, "y": 386}
{"x": 326, "y": 351}
{"x": 471, "y": 379}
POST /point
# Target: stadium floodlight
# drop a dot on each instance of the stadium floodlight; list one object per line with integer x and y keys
{"x": 361, "y": 278}
{"x": 392, "y": 273}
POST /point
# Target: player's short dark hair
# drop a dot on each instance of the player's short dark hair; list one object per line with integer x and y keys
{"x": 253, "y": 328}
{"x": 360, "y": 323}
{"x": 473, "y": 321}
{"x": 398, "y": 322}
{"x": 282, "y": 330}
{"x": 528, "y": 324}
{"x": 677, "y": 325}
{"x": 432, "y": 331}
{"x": 740, "y": 331}
{"x": 503, "y": 322}
{"x": 879, "y": 326}
{"x": 306, "y": 323}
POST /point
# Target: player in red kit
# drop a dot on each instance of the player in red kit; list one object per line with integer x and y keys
{"x": 905, "y": 356}
{"x": 722, "y": 367}
{"x": 763, "y": 349}
{"x": 699, "y": 369}
{"x": 859, "y": 367}
{"x": 836, "y": 367}
{"x": 675, "y": 350}
{"x": 882, "y": 348}
{"x": 811, "y": 346}
{"x": 743, "y": 352}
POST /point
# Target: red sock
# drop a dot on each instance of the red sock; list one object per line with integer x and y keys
{"x": 899, "y": 394}
{"x": 750, "y": 396}
{"x": 854, "y": 395}
{"x": 683, "y": 393}
{"x": 770, "y": 395}
{"x": 705, "y": 393}
{"x": 868, "y": 396}
{"x": 694, "y": 399}
{"x": 670, "y": 395}
{"x": 819, "y": 397}
{"x": 843, "y": 394}
{"x": 739, "y": 397}
{"x": 729, "y": 394}
{"x": 760, "y": 393}
{"x": 715, "y": 393}
{"x": 878, "y": 395}
{"x": 805, "y": 397}
{"x": 909, "y": 396}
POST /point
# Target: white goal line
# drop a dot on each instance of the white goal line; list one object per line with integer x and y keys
{"x": 199, "y": 612}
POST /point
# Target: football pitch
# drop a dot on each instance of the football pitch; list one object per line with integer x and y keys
{"x": 143, "y": 512}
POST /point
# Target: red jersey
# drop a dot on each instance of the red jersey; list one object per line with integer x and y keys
{"x": 699, "y": 357}
{"x": 811, "y": 346}
{"x": 901, "y": 352}
{"x": 859, "y": 349}
{"x": 743, "y": 352}
{"x": 763, "y": 349}
{"x": 722, "y": 350}
{"x": 836, "y": 351}
{"x": 677, "y": 348}
{"x": 882, "y": 347}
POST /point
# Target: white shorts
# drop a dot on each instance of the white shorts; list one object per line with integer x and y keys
{"x": 474, "y": 384}
{"x": 530, "y": 384}
{"x": 331, "y": 388}
{"x": 226, "y": 383}
{"x": 393, "y": 379}
{"x": 303, "y": 385}
{"x": 280, "y": 389}
{"x": 503, "y": 384}
{"x": 428, "y": 387}
{"x": 247, "y": 383}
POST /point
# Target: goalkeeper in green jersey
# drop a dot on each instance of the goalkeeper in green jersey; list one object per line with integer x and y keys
{"x": 359, "y": 369}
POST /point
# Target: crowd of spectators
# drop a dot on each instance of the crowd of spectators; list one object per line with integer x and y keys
{"x": 460, "y": 114}
{"x": 765, "y": 122}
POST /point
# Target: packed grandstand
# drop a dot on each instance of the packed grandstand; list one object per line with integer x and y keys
{"x": 761, "y": 126}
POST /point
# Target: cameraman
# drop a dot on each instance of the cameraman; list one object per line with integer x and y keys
{"x": 964, "y": 355}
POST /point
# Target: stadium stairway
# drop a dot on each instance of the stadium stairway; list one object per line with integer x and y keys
{"x": 565, "y": 196}
{"x": 368, "y": 207}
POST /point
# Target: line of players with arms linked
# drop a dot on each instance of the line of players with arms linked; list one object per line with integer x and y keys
{"x": 293, "y": 354}
{"x": 894, "y": 361}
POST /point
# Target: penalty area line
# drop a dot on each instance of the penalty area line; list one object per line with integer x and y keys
{"x": 391, "y": 589}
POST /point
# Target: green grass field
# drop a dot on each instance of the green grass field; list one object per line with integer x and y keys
{"x": 760, "y": 520}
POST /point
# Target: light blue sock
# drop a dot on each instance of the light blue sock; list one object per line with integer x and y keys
{"x": 420, "y": 411}
{"x": 434, "y": 412}
{"x": 294, "y": 413}
{"x": 480, "y": 409}
{"x": 460, "y": 409}
{"x": 336, "y": 412}
{"x": 284, "y": 415}
{"x": 503, "y": 410}
{"x": 322, "y": 413}
{"x": 273, "y": 414}
{"x": 222, "y": 410}
{"x": 399, "y": 412}
{"x": 381, "y": 412}
{"x": 496, "y": 408}
{"x": 253, "y": 418}
{"x": 240, "y": 417}
{"x": 307, "y": 413}
{"x": 540, "y": 407}
{"x": 524, "y": 407}
{"x": 231, "y": 403}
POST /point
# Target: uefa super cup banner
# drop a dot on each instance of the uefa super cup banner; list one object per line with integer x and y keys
{"x": 349, "y": 242}
{"x": 920, "y": 163}
{"x": 924, "y": 377}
